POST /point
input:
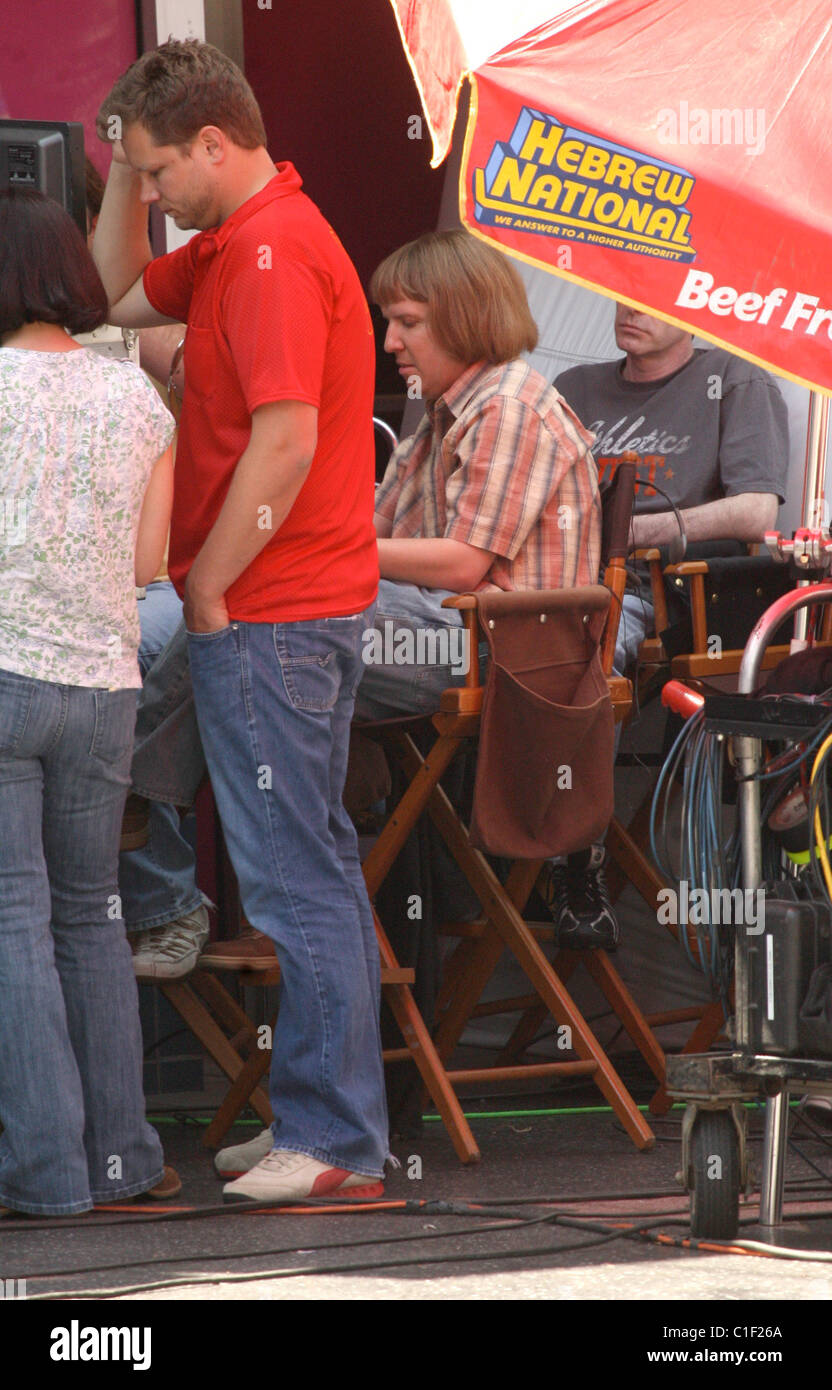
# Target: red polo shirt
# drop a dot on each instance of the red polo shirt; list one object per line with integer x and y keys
{"x": 275, "y": 312}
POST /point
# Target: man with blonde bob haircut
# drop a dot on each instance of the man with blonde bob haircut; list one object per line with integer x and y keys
{"x": 497, "y": 487}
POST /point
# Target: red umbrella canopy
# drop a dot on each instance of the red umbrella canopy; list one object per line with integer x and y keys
{"x": 673, "y": 154}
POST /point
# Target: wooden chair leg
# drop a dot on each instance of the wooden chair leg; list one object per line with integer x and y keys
{"x": 425, "y": 774}
{"x": 523, "y": 1035}
{"x": 533, "y": 1019}
{"x": 453, "y": 972}
{"x": 560, "y": 1005}
{"x": 507, "y": 925}
{"x": 480, "y": 966}
{"x": 608, "y": 980}
{"x": 221, "y": 1003}
{"x": 417, "y": 1038}
{"x": 207, "y": 1030}
{"x": 612, "y": 986}
{"x": 239, "y": 1094}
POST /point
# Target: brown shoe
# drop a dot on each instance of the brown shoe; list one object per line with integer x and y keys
{"x": 170, "y": 1185}
{"x": 251, "y": 950}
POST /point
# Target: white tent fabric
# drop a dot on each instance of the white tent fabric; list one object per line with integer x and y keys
{"x": 486, "y": 26}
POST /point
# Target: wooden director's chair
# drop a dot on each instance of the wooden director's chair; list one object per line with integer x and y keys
{"x": 480, "y": 944}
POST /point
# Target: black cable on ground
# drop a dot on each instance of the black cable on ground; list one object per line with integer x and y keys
{"x": 512, "y": 1224}
{"x": 315, "y": 1270}
{"x": 577, "y": 1220}
{"x": 644, "y": 1232}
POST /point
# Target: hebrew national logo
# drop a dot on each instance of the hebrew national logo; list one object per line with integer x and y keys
{"x": 558, "y": 181}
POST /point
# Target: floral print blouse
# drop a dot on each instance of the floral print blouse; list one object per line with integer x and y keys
{"x": 79, "y": 435}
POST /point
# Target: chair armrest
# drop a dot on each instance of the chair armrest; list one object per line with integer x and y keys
{"x": 687, "y": 567}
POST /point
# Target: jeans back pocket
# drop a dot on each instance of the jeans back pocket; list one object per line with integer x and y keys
{"x": 115, "y": 723}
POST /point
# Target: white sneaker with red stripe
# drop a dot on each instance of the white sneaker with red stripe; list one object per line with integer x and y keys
{"x": 285, "y": 1176}
{"x": 241, "y": 1158}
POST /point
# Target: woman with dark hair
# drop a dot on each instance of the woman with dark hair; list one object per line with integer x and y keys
{"x": 86, "y": 479}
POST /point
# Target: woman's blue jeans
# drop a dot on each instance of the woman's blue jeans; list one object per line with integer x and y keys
{"x": 274, "y": 703}
{"x": 71, "y": 1101}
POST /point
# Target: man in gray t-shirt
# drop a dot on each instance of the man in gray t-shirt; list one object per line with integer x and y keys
{"x": 712, "y": 432}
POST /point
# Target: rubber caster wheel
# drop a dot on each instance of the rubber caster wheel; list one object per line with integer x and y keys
{"x": 715, "y": 1176}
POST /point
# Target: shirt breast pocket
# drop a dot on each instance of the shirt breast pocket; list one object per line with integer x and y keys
{"x": 201, "y": 363}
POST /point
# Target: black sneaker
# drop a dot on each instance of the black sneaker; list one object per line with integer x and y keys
{"x": 576, "y": 895}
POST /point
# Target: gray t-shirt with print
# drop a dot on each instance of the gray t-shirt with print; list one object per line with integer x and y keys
{"x": 715, "y": 428}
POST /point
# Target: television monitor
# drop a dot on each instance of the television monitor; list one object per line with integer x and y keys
{"x": 47, "y": 156}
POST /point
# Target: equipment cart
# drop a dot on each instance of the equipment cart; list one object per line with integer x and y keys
{"x": 717, "y": 1087}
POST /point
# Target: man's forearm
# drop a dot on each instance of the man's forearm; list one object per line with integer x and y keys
{"x": 437, "y": 563}
{"x": 121, "y": 248}
{"x": 745, "y": 517}
{"x": 250, "y": 517}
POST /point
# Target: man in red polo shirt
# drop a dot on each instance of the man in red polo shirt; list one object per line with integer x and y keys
{"x": 273, "y": 551}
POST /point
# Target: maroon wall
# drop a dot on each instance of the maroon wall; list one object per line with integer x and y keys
{"x": 336, "y": 93}
{"x": 58, "y": 61}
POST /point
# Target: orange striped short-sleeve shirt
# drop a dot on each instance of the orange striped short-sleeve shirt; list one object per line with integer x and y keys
{"x": 500, "y": 461}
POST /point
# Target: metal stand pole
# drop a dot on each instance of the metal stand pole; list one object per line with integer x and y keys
{"x": 774, "y": 1159}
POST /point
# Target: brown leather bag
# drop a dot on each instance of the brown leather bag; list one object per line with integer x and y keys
{"x": 544, "y": 780}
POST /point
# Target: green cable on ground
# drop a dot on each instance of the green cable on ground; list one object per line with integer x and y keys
{"x": 430, "y": 1119}
{"x": 573, "y": 1110}
{"x": 476, "y": 1114}
{"x": 529, "y": 1114}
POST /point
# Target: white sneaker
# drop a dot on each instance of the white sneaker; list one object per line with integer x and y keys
{"x": 172, "y": 950}
{"x": 285, "y": 1176}
{"x": 240, "y": 1158}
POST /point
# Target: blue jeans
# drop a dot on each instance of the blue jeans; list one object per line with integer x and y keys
{"x": 168, "y": 762}
{"x": 637, "y": 621}
{"x": 391, "y": 686}
{"x": 71, "y": 1099}
{"x": 158, "y": 881}
{"x": 274, "y": 703}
